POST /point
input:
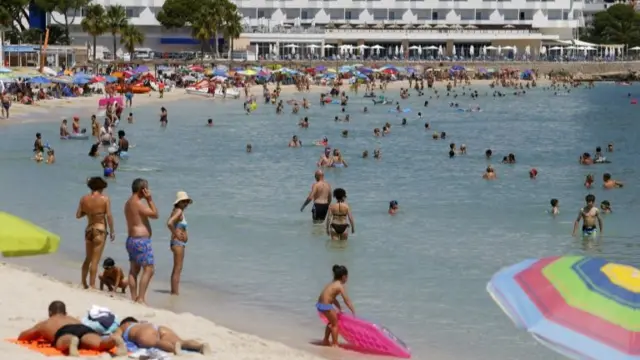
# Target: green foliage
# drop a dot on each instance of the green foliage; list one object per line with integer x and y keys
{"x": 13, "y": 13}
{"x": 619, "y": 24}
{"x": 64, "y": 7}
{"x": 116, "y": 20}
{"x": 36, "y": 36}
{"x": 130, "y": 37}
{"x": 94, "y": 23}
{"x": 181, "y": 13}
{"x": 207, "y": 19}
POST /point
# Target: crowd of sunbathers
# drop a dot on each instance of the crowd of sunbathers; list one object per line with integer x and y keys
{"x": 100, "y": 331}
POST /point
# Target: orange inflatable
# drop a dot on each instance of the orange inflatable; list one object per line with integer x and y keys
{"x": 136, "y": 89}
{"x": 140, "y": 89}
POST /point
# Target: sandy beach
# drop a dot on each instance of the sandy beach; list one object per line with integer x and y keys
{"x": 27, "y": 296}
{"x": 84, "y": 107}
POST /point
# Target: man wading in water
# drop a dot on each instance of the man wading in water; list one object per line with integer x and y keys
{"x": 321, "y": 196}
{"x": 139, "y": 241}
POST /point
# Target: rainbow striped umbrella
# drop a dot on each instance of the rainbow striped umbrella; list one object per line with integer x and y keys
{"x": 581, "y": 307}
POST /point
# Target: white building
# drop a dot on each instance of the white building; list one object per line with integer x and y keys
{"x": 402, "y": 22}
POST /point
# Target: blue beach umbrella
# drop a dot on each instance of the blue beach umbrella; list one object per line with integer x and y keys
{"x": 110, "y": 79}
{"x": 141, "y": 69}
{"x": 39, "y": 80}
{"x": 80, "y": 80}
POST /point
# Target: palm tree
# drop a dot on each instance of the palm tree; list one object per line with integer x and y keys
{"x": 94, "y": 24}
{"x": 130, "y": 36}
{"x": 202, "y": 29}
{"x": 116, "y": 19}
{"x": 232, "y": 28}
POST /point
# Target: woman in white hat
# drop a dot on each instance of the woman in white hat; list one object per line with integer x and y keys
{"x": 177, "y": 225}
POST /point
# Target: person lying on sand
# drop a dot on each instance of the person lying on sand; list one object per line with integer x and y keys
{"x": 68, "y": 334}
{"x": 146, "y": 335}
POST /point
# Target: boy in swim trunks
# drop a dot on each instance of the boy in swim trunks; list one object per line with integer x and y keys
{"x": 589, "y": 215}
{"x": 329, "y": 306}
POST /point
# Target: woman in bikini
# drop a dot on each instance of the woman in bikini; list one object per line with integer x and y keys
{"x": 338, "y": 215}
{"x": 338, "y": 160}
{"x": 97, "y": 208}
{"x": 177, "y": 225}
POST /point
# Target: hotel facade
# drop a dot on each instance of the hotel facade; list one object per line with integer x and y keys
{"x": 270, "y": 25}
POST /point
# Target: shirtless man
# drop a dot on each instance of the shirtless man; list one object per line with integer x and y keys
{"x": 97, "y": 208}
{"x": 295, "y": 142}
{"x": 68, "y": 334}
{"x": 490, "y": 174}
{"x": 589, "y": 215}
{"x": 325, "y": 158}
{"x": 609, "y": 183}
{"x": 139, "y": 238}
{"x": 6, "y": 104}
{"x": 146, "y": 335}
{"x": 321, "y": 196}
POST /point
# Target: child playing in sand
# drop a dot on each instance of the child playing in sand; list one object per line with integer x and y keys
{"x": 112, "y": 276}
{"x": 329, "y": 298}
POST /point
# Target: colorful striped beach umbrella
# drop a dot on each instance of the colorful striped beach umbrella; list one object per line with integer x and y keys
{"x": 581, "y": 307}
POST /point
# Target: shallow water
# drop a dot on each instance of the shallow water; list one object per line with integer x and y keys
{"x": 422, "y": 273}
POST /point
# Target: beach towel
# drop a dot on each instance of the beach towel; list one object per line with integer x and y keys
{"x": 45, "y": 348}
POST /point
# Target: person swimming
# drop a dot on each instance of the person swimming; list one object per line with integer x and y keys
{"x": 393, "y": 207}
{"x": 329, "y": 298}
{"x": 337, "y": 161}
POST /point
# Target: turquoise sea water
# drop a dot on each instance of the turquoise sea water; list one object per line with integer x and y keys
{"x": 421, "y": 273}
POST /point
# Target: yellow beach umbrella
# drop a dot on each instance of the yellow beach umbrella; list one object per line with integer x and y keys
{"x": 331, "y": 70}
{"x": 248, "y": 72}
{"x": 18, "y": 237}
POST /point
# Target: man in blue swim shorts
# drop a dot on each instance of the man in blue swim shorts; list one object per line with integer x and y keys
{"x": 138, "y": 244}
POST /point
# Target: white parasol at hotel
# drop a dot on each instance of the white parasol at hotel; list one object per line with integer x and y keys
{"x": 397, "y": 52}
{"x": 472, "y": 50}
{"x": 440, "y": 50}
{"x": 453, "y": 50}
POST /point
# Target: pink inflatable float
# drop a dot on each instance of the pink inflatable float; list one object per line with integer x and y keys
{"x": 104, "y": 102}
{"x": 369, "y": 338}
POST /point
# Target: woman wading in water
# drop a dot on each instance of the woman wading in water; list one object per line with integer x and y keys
{"x": 177, "y": 225}
{"x": 97, "y": 208}
{"x": 339, "y": 214}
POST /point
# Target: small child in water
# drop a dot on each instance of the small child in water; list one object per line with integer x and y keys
{"x": 249, "y": 148}
{"x": 51, "y": 156}
{"x": 130, "y": 118}
{"x": 210, "y": 122}
{"x": 588, "y": 181}
{"x": 393, "y": 207}
{"x": 555, "y": 209}
{"x": 112, "y": 276}
{"x": 329, "y": 306}
{"x": 605, "y": 206}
